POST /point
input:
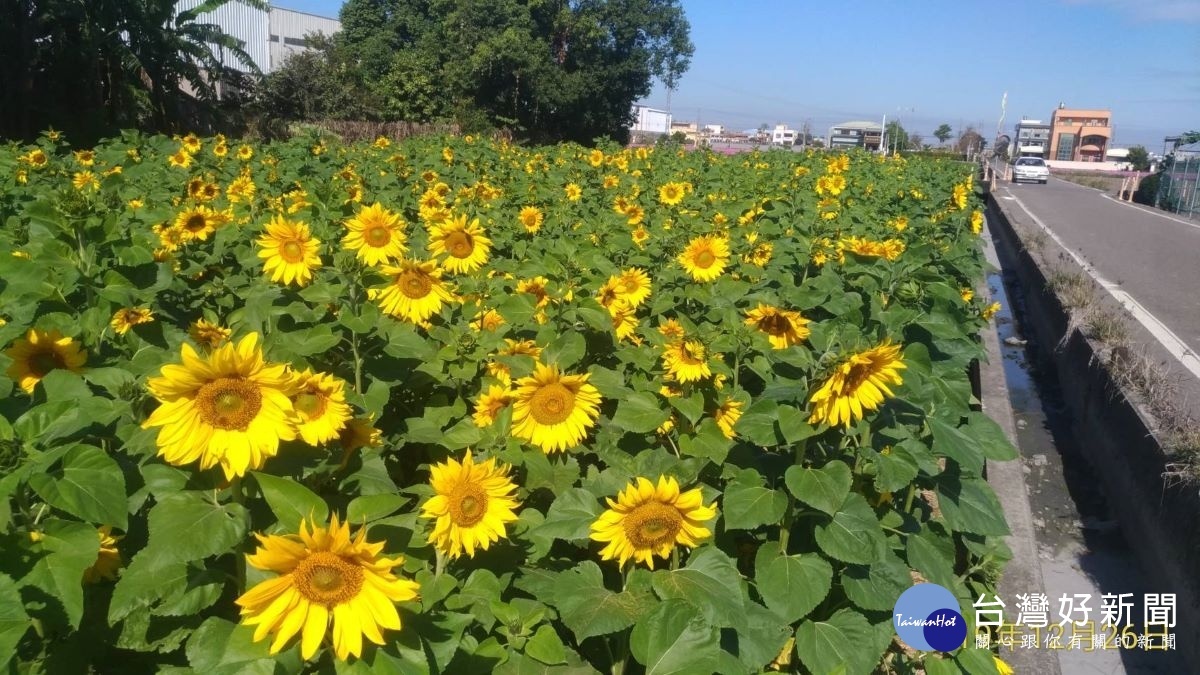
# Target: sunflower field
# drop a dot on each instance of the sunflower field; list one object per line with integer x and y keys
{"x": 451, "y": 405}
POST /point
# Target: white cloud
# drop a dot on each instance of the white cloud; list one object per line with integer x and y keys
{"x": 1151, "y": 10}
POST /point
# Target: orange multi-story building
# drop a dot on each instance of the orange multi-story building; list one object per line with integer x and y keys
{"x": 1078, "y": 135}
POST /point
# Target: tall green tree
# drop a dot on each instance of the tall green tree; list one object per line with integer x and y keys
{"x": 549, "y": 69}
{"x": 896, "y": 137}
{"x": 92, "y": 67}
{"x": 943, "y": 133}
{"x": 1139, "y": 158}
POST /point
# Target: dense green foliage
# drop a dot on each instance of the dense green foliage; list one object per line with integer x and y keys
{"x": 548, "y": 70}
{"x": 91, "y": 68}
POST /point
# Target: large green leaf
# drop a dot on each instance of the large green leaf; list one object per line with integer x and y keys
{"x": 65, "y": 551}
{"x": 949, "y": 441}
{"x": 823, "y": 489}
{"x": 89, "y": 486}
{"x": 291, "y": 502}
{"x": 640, "y": 412}
{"x": 588, "y": 608}
{"x": 970, "y": 505}
{"x": 674, "y": 638}
{"x": 877, "y": 587}
{"x": 571, "y": 515}
{"x": 853, "y": 535}
{"x": 992, "y": 441}
{"x": 791, "y": 585}
{"x": 187, "y": 526}
{"x": 747, "y": 504}
{"x": 14, "y": 622}
{"x": 710, "y": 583}
{"x": 220, "y": 647}
{"x": 838, "y": 644}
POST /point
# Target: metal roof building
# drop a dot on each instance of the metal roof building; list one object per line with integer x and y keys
{"x": 269, "y": 37}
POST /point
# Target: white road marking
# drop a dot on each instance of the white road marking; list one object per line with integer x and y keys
{"x": 1154, "y": 212}
{"x": 1172, "y": 342}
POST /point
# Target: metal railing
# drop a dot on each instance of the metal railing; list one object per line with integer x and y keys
{"x": 1177, "y": 187}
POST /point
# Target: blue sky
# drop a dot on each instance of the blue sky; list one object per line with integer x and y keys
{"x": 935, "y": 61}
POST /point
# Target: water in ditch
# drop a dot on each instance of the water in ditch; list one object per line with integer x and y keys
{"x": 1080, "y": 546}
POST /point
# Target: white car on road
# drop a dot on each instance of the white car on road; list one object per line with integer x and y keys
{"x": 1030, "y": 168}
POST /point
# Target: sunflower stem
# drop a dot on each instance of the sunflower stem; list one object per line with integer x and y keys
{"x": 439, "y": 565}
{"x": 358, "y": 362}
{"x": 239, "y": 498}
{"x": 908, "y": 501}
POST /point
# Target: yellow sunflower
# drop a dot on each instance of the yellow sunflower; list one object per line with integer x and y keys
{"x": 633, "y": 286}
{"x": 359, "y": 433}
{"x": 501, "y": 371}
{"x": 554, "y": 411}
{"x": 320, "y": 405}
{"x": 245, "y": 152}
{"x": 324, "y": 575}
{"x": 85, "y": 157}
{"x": 465, "y": 247}
{"x": 290, "y": 251}
{"x": 180, "y": 159}
{"x": 108, "y": 560}
{"x": 857, "y": 385}
{"x": 989, "y": 311}
{"x": 648, "y": 520}
{"x": 489, "y": 405}
{"x": 227, "y": 408}
{"x": 471, "y": 504}
{"x": 40, "y": 352}
{"x": 128, "y": 317}
{"x": 531, "y": 218}
{"x": 198, "y": 222}
{"x": 573, "y": 192}
{"x": 966, "y": 294}
{"x": 976, "y": 221}
{"x": 376, "y": 234}
{"x": 208, "y": 334}
{"x": 624, "y": 321}
{"x": 415, "y": 293}
{"x": 85, "y": 179}
{"x": 672, "y": 193}
{"x": 705, "y": 257}
{"x": 686, "y": 361}
{"x": 487, "y": 320}
{"x": 727, "y": 414}
{"x": 537, "y": 288}
{"x": 782, "y": 327}
{"x": 671, "y": 329}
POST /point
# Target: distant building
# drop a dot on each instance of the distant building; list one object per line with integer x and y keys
{"x": 782, "y": 135}
{"x": 1032, "y": 139}
{"x": 649, "y": 122}
{"x": 269, "y": 36}
{"x": 690, "y": 131}
{"x": 1079, "y": 135}
{"x": 860, "y": 134}
{"x": 714, "y": 129}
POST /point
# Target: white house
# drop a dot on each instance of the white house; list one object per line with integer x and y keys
{"x": 782, "y": 135}
{"x": 650, "y": 121}
{"x": 714, "y": 129}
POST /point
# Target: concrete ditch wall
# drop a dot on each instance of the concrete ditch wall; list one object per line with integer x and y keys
{"x": 1161, "y": 522}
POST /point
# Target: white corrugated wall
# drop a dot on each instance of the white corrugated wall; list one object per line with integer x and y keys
{"x": 247, "y": 24}
{"x": 288, "y": 28}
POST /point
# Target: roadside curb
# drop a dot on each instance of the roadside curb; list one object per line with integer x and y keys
{"x": 1160, "y": 521}
{"x": 1023, "y": 573}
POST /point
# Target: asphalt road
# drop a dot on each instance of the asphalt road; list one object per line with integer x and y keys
{"x": 1153, "y": 258}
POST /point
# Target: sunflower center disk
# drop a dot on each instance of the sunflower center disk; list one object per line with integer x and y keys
{"x": 229, "y": 403}
{"x": 459, "y": 244}
{"x": 292, "y": 251}
{"x": 378, "y": 236}
{"x": 44, "y": 362}
{"x": 414, "y": 284}
{"x": 309, "y": 405}
{"x": 704, "y": 259}
{"x": 328, "y": 579}
{"x": 857, "y": 375}
{"x": 652, "y": 524}
{"x": 775, "y": 324}
{"x": 468, "y": 505}
{"x": 552, "y": 404}
{"x": 195, "y": 223}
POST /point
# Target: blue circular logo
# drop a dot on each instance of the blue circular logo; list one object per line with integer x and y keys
{"x": 927, "y": 619}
